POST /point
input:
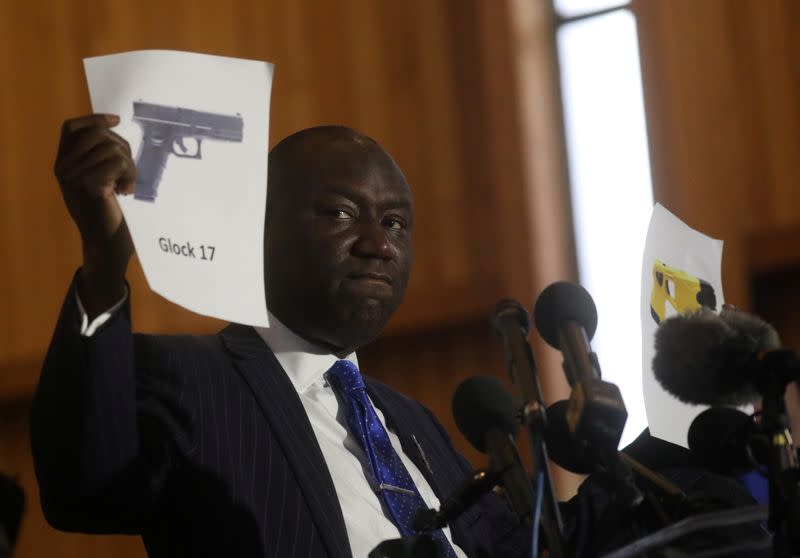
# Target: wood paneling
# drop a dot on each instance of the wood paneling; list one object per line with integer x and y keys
{"x": 721, "y": 86}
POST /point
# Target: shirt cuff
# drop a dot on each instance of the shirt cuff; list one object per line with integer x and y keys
{"x": 88, "y": 329}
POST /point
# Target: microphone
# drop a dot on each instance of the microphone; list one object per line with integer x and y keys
{"x": 727, "y": 441}
{"x": 484, "y": 413}
{"x": 718, "y": 359}
{"x": 481, "y": 482}
{"x": 566, "y": 318}
{"x": 511, "y": 324}
{"x": 562, "y": 447}
{"x": 734, "y": 358}
{"x": 482, "y": 404}
{"x": 626, "y": 472}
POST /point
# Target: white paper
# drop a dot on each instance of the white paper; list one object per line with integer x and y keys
{"x": 200, "y": 239}
{"x": 684, "y": 258}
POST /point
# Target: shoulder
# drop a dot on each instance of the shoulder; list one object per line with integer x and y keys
{"x": 159, "y": 347}
{"x": 178, "y": 353}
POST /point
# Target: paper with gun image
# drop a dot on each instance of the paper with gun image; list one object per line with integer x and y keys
{"x": 198, "y": 126}
{"x": 681, "y": 271}
{"x": 166, "y": 131}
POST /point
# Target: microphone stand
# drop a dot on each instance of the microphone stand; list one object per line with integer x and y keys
{"x": 522, "y": 370}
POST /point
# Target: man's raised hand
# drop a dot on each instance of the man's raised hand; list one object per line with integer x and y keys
{"x": 93, "y": 164}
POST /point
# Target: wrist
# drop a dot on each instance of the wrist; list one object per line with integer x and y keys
{"x": 98, "y": 294}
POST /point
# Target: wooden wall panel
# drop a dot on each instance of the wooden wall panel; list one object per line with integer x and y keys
{"x": 766, "y": 46}
{"x": 699, "y": 149}
{"x": 721, "y": 86}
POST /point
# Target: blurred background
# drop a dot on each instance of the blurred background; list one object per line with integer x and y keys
{"x": 536, "y": 136}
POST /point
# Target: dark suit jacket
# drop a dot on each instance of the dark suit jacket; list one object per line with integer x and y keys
{"x": 202, "y": 446}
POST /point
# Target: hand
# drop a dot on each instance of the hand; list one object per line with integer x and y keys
{"x": 93, "y": 164}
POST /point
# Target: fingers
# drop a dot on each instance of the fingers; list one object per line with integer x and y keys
{"x": 105, "y": 166}
{"x": 76, "y": 144}
{"x": 112, "y": 170}
{"x": 90, "y": 120}
{"x": 84, "y": 145}
{"x": 92, "y": 156}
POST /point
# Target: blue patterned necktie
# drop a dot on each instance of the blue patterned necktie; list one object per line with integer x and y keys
{"x": 398, "y": 492}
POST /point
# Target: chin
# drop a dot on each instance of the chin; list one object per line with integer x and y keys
{"x": 364, "y": 321}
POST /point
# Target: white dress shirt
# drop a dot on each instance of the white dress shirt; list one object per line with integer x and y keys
{"x": 306, "y": 365}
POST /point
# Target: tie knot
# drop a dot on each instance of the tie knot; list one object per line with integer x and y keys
{"x": 344, "y": 375}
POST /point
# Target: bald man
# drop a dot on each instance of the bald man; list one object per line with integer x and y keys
{"x": 247, "y": 443}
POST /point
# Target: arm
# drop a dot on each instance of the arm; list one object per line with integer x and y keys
{"x": 79, "y": 444}
{"x": 98, "y": 442}
{"x": 110, "y": 420}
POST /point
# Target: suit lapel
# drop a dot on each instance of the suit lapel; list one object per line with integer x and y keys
{"x": 282, "y": 407}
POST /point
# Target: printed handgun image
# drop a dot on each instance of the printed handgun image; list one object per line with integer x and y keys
{"x": 684, "y": 292}
{"x": 166, "y": 130}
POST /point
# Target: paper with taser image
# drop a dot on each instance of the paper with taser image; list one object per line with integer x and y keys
{"x": 198, "y": 127}
{"x": 681, "y": 271}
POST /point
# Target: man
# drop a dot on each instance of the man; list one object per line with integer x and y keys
{"x": 245, "y": 443}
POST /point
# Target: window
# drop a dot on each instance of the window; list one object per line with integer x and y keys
{"x": 610, "y": 182}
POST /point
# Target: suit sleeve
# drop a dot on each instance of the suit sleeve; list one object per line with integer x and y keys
{"x": 104, "y": 435}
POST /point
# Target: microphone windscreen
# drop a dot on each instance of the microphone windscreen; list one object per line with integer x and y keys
{"x": 560, "y": 303}
{"x": 482, "y": 404}
{"x": 562, "y": 448}
{"x": 708, "y": 358}
{"x": 720, "y": 437}
{"x": 509, "y": 308}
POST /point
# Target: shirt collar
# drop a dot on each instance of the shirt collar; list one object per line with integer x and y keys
{"x": 303, "y": 361}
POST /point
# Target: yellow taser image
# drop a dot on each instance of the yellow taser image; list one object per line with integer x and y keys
{"x": 683, "y": 291}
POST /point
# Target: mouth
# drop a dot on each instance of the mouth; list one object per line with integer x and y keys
{"x": 371, "y": 277}
{"x": 370, "y": 285}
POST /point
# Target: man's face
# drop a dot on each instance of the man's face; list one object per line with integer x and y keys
{"x": 338, "y": 243}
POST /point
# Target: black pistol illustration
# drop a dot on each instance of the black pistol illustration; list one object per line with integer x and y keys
{"x": 165, "y": 131}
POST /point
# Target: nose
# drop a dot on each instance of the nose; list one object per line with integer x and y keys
{"x": 372, "y": 242}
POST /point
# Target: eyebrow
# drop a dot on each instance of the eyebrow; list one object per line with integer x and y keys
{"x": 354, "y": 194}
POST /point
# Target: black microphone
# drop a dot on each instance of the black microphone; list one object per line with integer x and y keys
{"x": 511, "y": 324}
{"x": 734, "y": 358}
{"x": 481, "y": 482}
{"x": 625, "y": 471}
{"x": 482, "y": 404}
{"x": 727, "y": 441}
{"x": 566, "y": 318}
{"x": 484, "y": 412}
{"x": 717, "y": 359}
{"x": 562, "y": 447}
